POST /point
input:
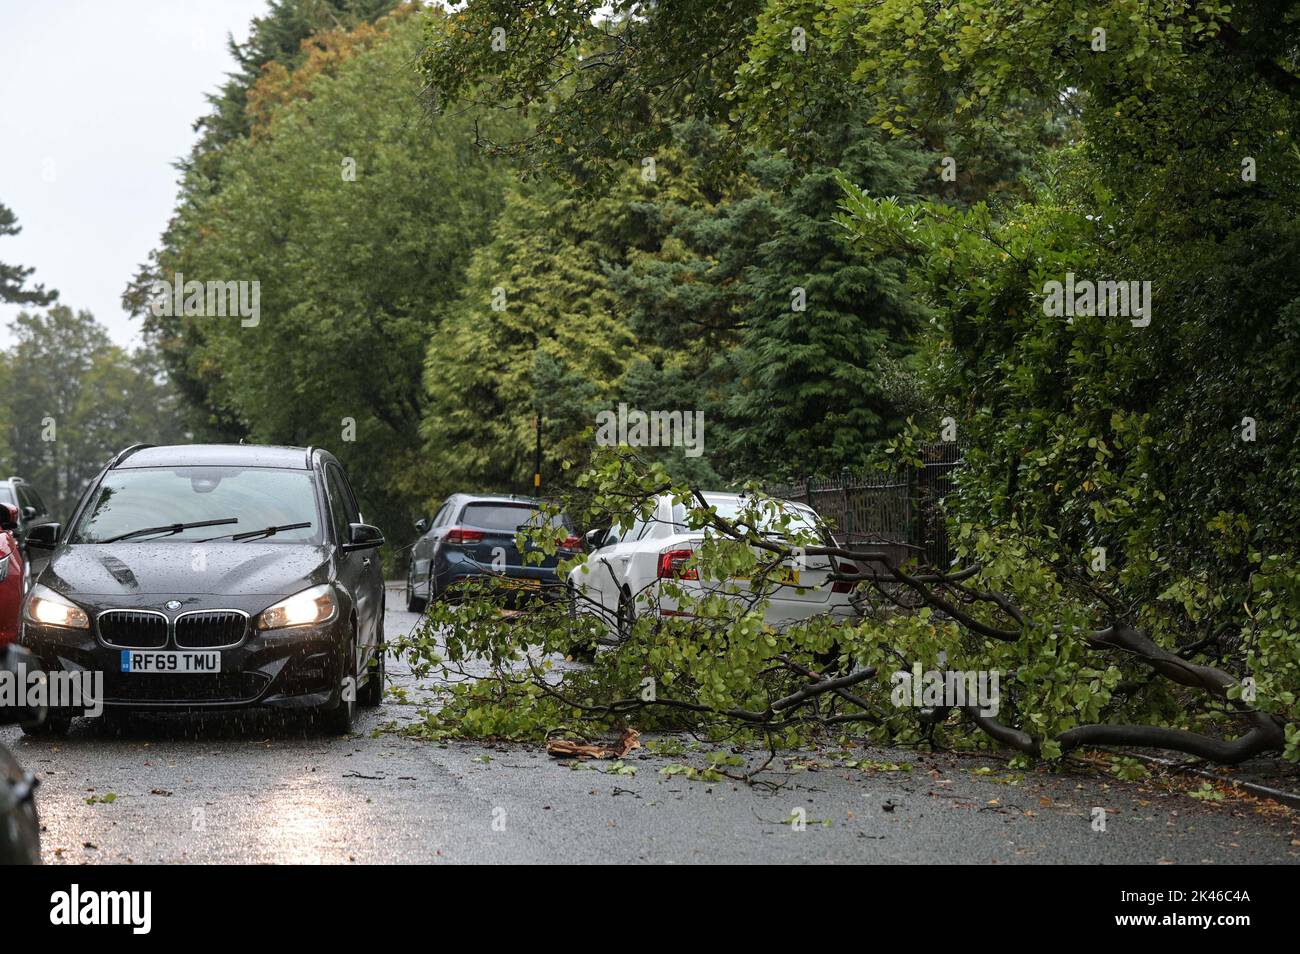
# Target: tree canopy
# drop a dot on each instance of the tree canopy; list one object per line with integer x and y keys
{"x": 61, "y": 428}
{"x": 13, "y": 278}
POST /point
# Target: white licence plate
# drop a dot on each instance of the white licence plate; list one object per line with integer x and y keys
{"x": 145, "y": 660}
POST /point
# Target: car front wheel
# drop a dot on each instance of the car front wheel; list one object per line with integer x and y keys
{"x": 413, "y": 602}
{"x": 372, "y": 693}
{"x": 337, "y": 720}
{"x": 56, "y": 724}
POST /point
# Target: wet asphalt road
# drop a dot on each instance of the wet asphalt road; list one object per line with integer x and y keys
{"x": 222, "y": 790}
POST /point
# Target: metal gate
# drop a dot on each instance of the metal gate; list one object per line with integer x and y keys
{"x": 899, "y": 511}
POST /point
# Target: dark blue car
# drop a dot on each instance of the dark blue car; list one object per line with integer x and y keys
{"x": 472, "y": 537}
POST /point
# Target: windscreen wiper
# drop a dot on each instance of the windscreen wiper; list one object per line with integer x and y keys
{"x": 170, "y": 528}
{"x": 264, "y": 532}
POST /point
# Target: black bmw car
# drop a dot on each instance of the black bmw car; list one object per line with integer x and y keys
{"x": 214, "y": 577}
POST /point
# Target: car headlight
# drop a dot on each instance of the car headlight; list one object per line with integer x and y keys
{"x": 48, "y": 608}
{"x": 311, "y": 606}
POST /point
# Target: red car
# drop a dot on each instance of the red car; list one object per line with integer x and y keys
{"x": 12, "y": 574}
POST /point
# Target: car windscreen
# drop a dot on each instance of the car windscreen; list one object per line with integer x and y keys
{"x": 506, "y": 517}
{"x": 7, "y": 496}
{"x": 257, "y": 497}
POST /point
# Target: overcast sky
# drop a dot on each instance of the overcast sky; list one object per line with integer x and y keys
{"x": 97, "y": 100}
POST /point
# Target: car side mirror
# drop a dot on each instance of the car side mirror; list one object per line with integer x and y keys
{"x": 29, "y": 512}
{"x": 422, "y": 525}
{"x": 593, "y": 539}
{"x": 362, "y": 536}
{"x": 44, "y": 536}
{"x": 8, "y": 517}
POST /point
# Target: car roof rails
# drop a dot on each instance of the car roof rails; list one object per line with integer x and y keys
{"x": 127, "y": 452}
{"x": 310, "y": 450}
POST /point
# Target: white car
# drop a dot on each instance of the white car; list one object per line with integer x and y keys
{"x": 621, "y": 578}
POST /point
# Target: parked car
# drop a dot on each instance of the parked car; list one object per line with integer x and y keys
{"x": 13, "y": 576}
{"x": 215, "y": 577}
{"x": 32, "y": 511}
{"x": 624, "y": 571}
{"x": 471, "y": 537}
{"x": 20, "y": 830}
